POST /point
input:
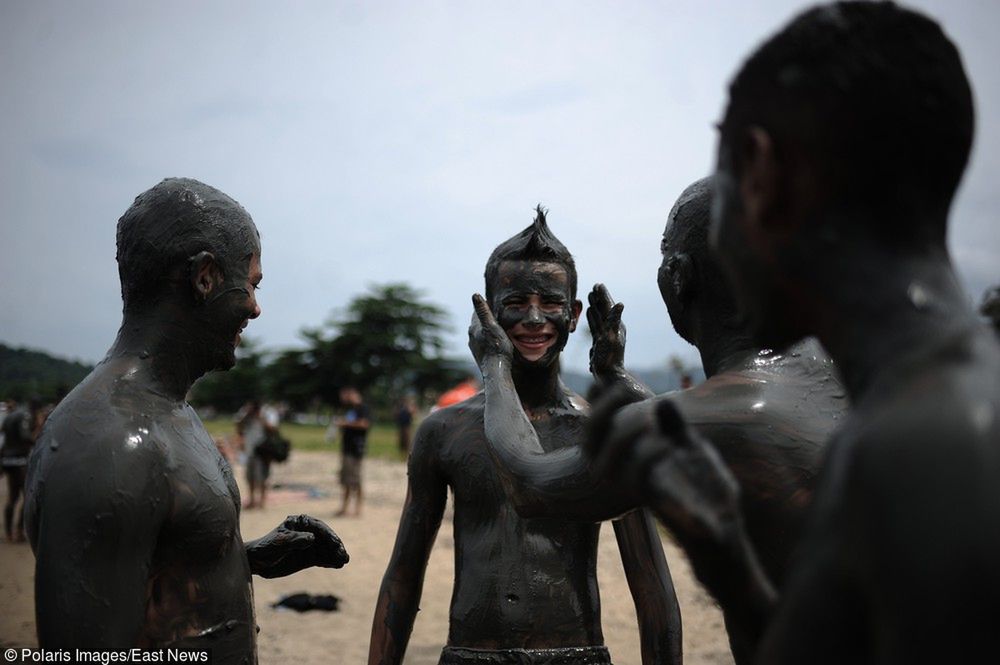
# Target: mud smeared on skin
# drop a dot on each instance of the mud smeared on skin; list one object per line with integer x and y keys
{"x": 768, "y": 414}
{"x": 132, "y": 512}
{"x": 519, "y": 584}
{"x": 844, "y": 139}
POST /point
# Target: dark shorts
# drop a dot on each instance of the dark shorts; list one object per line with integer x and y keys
{"x": 258, "y": 469}
{"x": 567, "y": 656}
{"x": 350, "y": 471}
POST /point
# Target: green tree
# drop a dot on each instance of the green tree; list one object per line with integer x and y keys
{"x": 386, "y": 342}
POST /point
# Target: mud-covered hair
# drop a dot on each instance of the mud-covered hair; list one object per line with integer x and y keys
{"x": 172, "y": 222}
{"x": 687, "y": 232}
{"x": 876, "y": 97}
{"x": 535, "y": 243}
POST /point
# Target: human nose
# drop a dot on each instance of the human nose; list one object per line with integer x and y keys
{"x": 534, "y": 316}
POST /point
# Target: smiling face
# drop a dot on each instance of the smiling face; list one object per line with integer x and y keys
{"x": 532, "y": 302}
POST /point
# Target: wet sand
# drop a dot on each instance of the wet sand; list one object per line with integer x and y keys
{"x": 342, "y": 637}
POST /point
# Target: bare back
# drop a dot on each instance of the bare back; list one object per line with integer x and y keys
{"x": 770, "y": 420}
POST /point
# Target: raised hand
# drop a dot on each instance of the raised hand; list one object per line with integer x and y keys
{"x": 604, "y": 316}
{"x": 671, "y": 468}
{"x": 690, "y": 486}
{"x": 486, "y": 337}
{"x": 298, "y": 543}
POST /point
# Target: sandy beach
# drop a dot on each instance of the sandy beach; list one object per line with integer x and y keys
{"x": 342, "y": 637}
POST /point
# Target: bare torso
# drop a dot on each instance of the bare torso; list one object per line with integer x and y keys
{"x": 518, "y": 582}
{"x": 134, "y": 517}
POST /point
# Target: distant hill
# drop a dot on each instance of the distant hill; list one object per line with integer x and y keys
{"x": 26, "y": 373}
{"x": 656, "y": 379}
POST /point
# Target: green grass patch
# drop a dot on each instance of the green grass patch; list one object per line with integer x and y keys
{"x": 383, "y": 441}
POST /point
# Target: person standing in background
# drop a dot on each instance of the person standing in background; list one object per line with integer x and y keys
{"x": 354, "y": 436}
{"x": 20, "y": 429}
{"x": 404, "y": 423}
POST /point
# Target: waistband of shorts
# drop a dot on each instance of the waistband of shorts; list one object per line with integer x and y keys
{"x": 590, "y": 655}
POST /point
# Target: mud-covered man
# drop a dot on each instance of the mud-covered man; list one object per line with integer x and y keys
{"x": 525, "y": 590}
{"x": 132, "y": 513}
{"x": 842, "y": 145}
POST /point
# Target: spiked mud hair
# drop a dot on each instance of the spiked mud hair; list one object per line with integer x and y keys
{"x": 535, "y": 243}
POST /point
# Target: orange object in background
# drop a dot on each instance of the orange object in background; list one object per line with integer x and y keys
{"x": 459, "y": 393}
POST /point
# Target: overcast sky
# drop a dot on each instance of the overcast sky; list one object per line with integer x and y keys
{"x": 390, "y": 141}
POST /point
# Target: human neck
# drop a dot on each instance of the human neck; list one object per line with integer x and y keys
{"x": 169, "y": 358}
{"x": 722, "y": 346}
{"x": 884, "y": 308}
{"x": 537, "y": 387}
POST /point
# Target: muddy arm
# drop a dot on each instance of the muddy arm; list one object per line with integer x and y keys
{"x": 559, "y": 483}
{"x": 399, "y": 596}
{"x": 684, "y": 481}
{"x": 652, "y": 589}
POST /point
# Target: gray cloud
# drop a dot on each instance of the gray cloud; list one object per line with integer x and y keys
{"x": 376, "y": 142}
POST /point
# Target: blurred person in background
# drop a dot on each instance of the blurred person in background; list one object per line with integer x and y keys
{"x": 354, "y": 428}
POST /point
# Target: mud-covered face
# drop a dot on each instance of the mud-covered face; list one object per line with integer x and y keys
{"x": 531, "y": 301}
{"x": 231, "y": 307}
{"x": 665, "y": 280}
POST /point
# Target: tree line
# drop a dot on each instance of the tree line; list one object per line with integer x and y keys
{"x": 387, "y": 342}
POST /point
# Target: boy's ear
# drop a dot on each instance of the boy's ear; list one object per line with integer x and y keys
{"x": 205, "y": 274}
{"x": 575, "y": 310}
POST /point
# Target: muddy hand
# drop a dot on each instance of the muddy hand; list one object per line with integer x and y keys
{"x": 618, "y": 447}
{"x": 486, "y": 337}
{"x": 299, "y": 542}
{"x": 688, "y": 485}
{"x": 604, "y": 316}
{"x": 327, "y": 548}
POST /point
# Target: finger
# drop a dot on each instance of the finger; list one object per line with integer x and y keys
{"x": 671, "y": 423}
{"x": 594, "y": 322}
{"x": 614, "y": 318}
{"x": 607, "y": 302}
{"x": 482, "y": 311}
{"x": 598, "y": 299}
{"x": 295, "y": 522}
{"x": 592, "y": 296}
{"x": 301, "y": 540}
